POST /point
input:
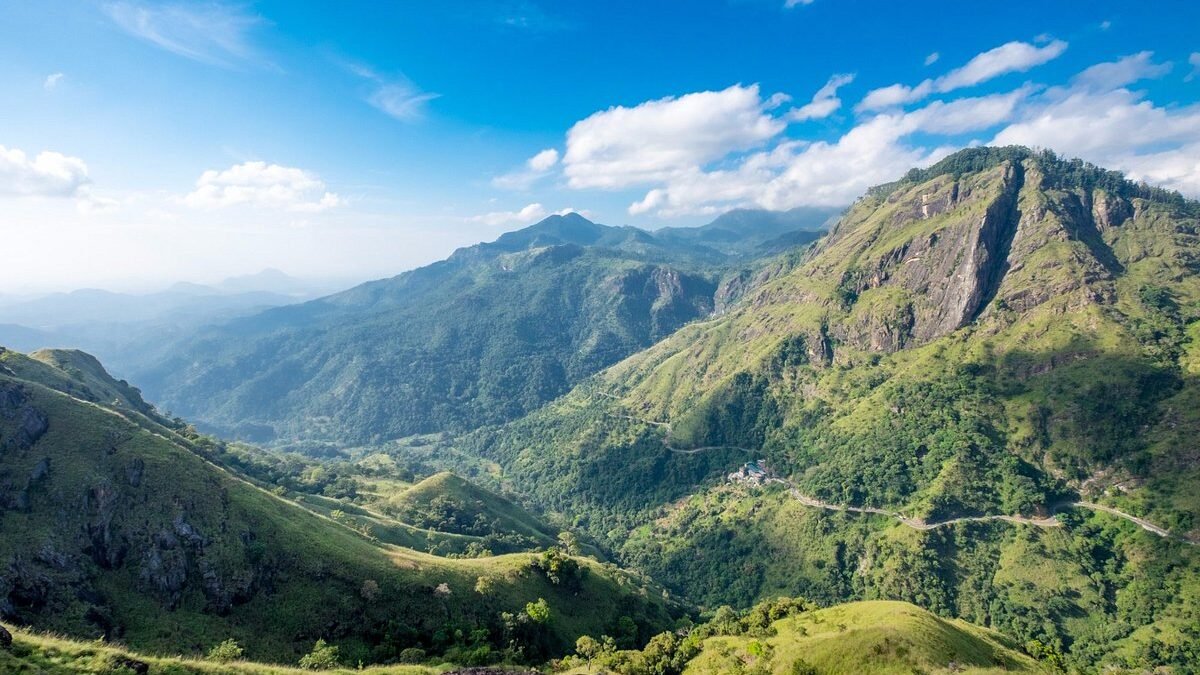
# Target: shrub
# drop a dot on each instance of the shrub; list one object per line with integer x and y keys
{"x": 228, "y": 650}
{"x": 323, "y": 656}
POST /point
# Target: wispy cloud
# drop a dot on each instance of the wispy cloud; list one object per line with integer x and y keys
{"x": 1194, "y": 61}
{"x": 524, "y": 216}
{"x": 534, "y": 169}
{"x": 396, "y": 97}
{"x": 528, "y": 16}
{"x": 52, "y": 81}
{"x": 1012, "y": 57}
{"x": 213, "y": 33}
{"x": 824, "y": 103}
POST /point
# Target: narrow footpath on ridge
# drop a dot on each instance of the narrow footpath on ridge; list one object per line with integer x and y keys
{"x": 915, "y": 523}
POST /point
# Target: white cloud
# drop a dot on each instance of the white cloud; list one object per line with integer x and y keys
{"x": 828, "y": 173}
{"x": 525, "y": 216}
{"x": 263, "y": 185}
{"x": 544, "y": 160}
{"x": 824, "y": 103}
{"x": 401, "y": 100}
{"x": 210, "y": 32}
{"x": 396, "y": 97}
{"x": 650, "y": 142}
{"x": 1013, "y": 57}
{"x": 1130, "y": 69}
{"x": 88, "y": 203}
{"x": 52, "y": 81}
{"x": 49, "y": 174}
{"x": 1194, "y": 61}
{"x": 932, "y": 58}
{"x": 534, "y": 169}
{"x": 788, "y": 4}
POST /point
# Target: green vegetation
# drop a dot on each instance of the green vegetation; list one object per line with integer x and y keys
{"x": 486, "y": 336}
{"x": 794, "y": 637}
{"x": 40, "y": 654}
{"x": 113, "y": 530}
{"x": 1002, "y": 334}
{"x": 1005, "y": 334}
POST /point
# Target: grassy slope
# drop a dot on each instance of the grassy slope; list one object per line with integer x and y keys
{"x": 284, "y": 575}
{"x": 475, "y": 502}
{"x": 41, "y": 654}
{"x": 867, "y": 638}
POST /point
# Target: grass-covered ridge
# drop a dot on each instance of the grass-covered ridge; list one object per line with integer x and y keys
{"x": 114, "y": 529}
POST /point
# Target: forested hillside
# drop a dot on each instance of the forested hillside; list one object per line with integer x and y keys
{"x": 1006, "y": 334}
{"x": 483, "y": 337}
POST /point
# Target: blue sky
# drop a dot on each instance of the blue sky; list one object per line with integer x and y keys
{"x": 145, "y": 142}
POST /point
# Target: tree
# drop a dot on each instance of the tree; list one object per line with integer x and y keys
{"x": 228, "y": 650}
{"x": 369, "y": 590}
{"x": 322, "y": 657}
{"x": 569, "y": 542}
{"x": 539, "y": 612}
{"x": 588, "y": 648}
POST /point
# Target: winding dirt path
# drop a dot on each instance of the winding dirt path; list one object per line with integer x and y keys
{"x": 915, "y": 523}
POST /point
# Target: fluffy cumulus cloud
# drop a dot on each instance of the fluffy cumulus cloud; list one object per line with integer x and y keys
{"x": 209, "y": 32}
{"x": 1097, "y": 117}
{"x": 711, "y": 151}
{"x": 262, "y": 185}
{"x": 824, "y": 103}
{"x": 534, "y": 169}
{"x": 622, "y": 146}
{"x": 49, "y": 174}
{"x": 1013, "y": 57}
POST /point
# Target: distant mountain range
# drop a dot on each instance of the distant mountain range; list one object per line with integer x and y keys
{"x": 485, "y": 336}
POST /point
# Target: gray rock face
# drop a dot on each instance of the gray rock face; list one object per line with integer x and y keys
{"x": 28, "y": 423}
{"x": 107, "y": 545}
{"x": 134, "y": 471}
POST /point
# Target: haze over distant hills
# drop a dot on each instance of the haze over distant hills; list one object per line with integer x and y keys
{"x": 489, "y": 334}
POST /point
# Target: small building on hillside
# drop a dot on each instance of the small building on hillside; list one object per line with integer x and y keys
{"x": 754, "y": 472}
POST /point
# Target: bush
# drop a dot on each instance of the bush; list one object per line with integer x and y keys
{"x": 323, "y": 656}
{"x": 228, "y": 650}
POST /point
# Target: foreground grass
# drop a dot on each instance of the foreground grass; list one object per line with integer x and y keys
{"x": 43, "y": 654}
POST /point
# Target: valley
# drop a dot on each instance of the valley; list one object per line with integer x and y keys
{"x": 968, "y": 407}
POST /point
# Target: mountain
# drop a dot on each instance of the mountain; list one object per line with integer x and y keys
{"x": 1001, "y": 338}
{"x": 117, "y": 525}
{"x": 755, "y": 232}
{"x": 483, "y": 337}
{"x": 128, "y": 328}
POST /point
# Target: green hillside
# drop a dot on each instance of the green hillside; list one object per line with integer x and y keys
{"x": 485, "y": 336}
{"x": 1004, "y": 333}
{"x": 864, "y": 638}
{"x": 448, "y": 503}
{"x": 112, "y": 529}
